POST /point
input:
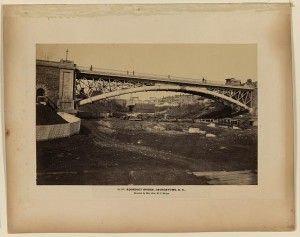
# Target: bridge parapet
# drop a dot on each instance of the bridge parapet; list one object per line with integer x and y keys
{"x": 109, "y": 74}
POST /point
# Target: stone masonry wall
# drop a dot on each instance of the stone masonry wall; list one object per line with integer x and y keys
{"x": 47, "y": 78}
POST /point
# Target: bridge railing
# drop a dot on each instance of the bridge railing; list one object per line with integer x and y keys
{"x": 149, "y": 76}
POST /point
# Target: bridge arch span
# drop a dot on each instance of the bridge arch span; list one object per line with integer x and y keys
{"x": 174, "y": 88}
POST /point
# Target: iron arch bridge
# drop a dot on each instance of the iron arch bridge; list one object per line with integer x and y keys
{"x": 99, "y": 84}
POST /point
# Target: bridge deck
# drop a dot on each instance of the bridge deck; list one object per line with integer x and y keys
{"x": 95, "y": 72}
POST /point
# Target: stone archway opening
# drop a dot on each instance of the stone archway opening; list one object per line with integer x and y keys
{"x": 39, "y": 92}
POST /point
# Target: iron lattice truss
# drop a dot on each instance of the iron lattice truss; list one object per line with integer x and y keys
{"x": 243, "y": 96}
{"x": 86, "y": 88}
{"x": 89, "y": 87}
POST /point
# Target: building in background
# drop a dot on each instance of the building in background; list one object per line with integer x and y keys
{"x": 178, "y": 100}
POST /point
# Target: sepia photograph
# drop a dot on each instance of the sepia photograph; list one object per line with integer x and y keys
{"x": 146, "y": 114}
{"x": 149, "y": 118}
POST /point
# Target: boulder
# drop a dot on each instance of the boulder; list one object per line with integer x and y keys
{"x": 223, "y": 126}
{"x": 212, "y": 125}
{"x": 196, "y": 130}
{"x": 234, "y": 127}
{"x": 210, "y": 135}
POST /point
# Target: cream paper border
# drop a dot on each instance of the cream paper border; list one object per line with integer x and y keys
{"x": 267, "y": 206}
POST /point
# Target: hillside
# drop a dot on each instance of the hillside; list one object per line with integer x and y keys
{"x": 213, "y": 110}
{"x": 210, "y": 110}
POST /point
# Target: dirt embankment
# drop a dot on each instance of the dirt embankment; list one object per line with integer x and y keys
{"x": 118, "y": 152}
{"x": 173, "y": 128}
{"x": 45, "y": 115}
{"x": 231, "y": 146}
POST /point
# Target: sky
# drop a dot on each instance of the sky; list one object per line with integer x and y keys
{"x": 212, "y": 61}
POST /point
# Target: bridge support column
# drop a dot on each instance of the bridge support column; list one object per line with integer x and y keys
{"x": 254, "y": 102}
{"x": 66, "y": 86}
